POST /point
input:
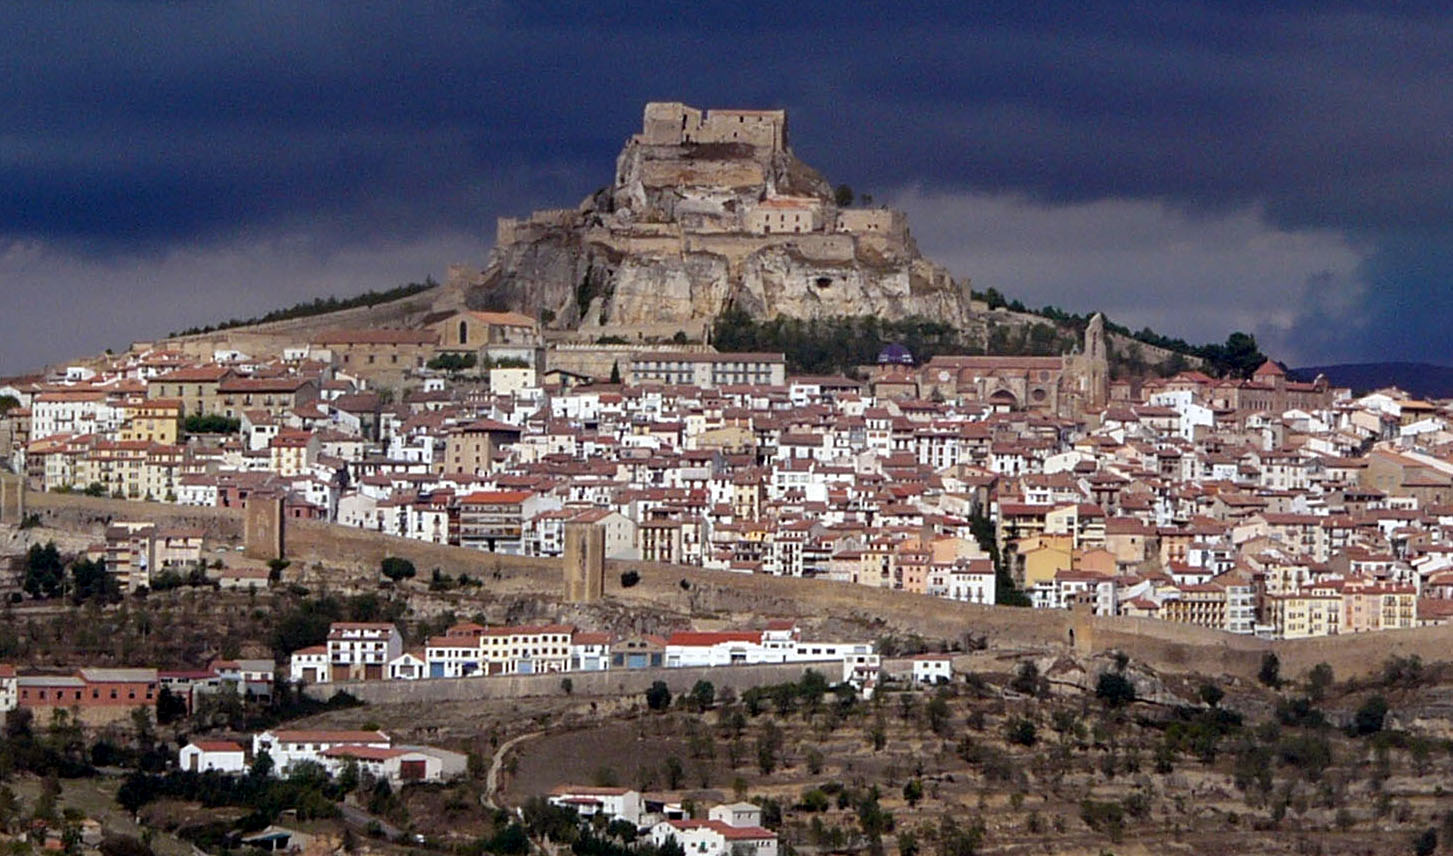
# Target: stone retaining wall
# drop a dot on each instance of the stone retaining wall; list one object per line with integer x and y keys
{"x": 609, "y": 683}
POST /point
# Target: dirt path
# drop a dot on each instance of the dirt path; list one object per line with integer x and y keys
{"x": 491, "y": 780}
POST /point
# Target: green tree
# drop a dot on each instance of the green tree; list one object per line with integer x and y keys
{"x": 1319, "y": 680}
{"x": 675, "y": 772}
{"x": 912, "y": 792}
{"x": 1270, "y": 672}
{"x": 938, "y": 714}
{"x": 44, "y": 571}
{"x": 769, "y": 747}
{"x": 397, "y": 569}
{"x": 843, "y": 196}
{"x": 1021, "y": 731}
{"x": 1370, "y": 717}
{"x": 1211, "y": 694}
{"x": 1114, "y": 689}
{"x": 1425, "y": 843}
{"x": 703, "y": 694}
{"x": 90, "y": 582}
{"x": 1026, "y": 679}
{"x": 1239, "y": 357}
{"x": 615, "y": 374}
{"x": 658, "y": 697}
{"x": 211, "y": 423}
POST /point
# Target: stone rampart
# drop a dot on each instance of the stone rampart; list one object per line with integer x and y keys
{"x": 80, "y": 512}
{"x": 1160, "y": 644}
{"x": 609, "y": 683}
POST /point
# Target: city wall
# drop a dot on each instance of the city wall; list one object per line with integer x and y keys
{"x": 741, "y": 597}
{"x": 609, "y": 683}
{"x": 76, "y": 511}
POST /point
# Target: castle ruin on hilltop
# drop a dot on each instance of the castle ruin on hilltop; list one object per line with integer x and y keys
{"x": 709, "y": 210}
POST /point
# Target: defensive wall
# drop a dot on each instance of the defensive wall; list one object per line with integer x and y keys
{"x": 609, "y": 683}
{"x": 78, "y": 511}
{"x": 273, "y": 335}
{"x": 1163, "y": 645}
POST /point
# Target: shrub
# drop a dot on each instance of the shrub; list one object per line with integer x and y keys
{"x": 1270, "y": 672}
{"x": 1370, "y": 718}
{"x": 1114, "y": 689}
{"x": 1104, "y": 817}
{"x": 1319, "y": 680}
{"x": 1021, "y": 731}
{"x": 658, "y": 697}
{"x": 397, "y": 569}
{"x": 629, "y": 579}
{"x": 1026, "y": 680}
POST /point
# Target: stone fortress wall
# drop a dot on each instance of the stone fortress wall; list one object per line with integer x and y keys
{"x": 618, "y": 682}
{"x": 343, "y": 551}
{"x": 671, "y": 123}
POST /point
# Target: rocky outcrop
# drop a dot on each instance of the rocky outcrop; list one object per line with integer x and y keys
{"x": 689, "y": 229}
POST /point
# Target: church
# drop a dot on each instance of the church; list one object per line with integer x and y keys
{"x": 1065, "y": 386}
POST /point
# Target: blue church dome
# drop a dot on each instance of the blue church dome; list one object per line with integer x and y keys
{"x": 895, "y": 354}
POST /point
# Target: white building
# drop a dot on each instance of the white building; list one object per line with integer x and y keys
{"x": 289, "y": 747}
{"x": 933, "y": 669}
{"x": 738, "y": 814}
{"x": 714, "y": 838}
{"x": 614, "y": 803}
{"x": 224, "y": 756}
{"x": 407, "y": 666}
{"x": 310, "y": 666}
{"x": 362, "y": 649}
{"x": 399, "y": 764}
{"x": 9, "y": 688}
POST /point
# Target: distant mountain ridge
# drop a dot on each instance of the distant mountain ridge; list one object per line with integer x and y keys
{"x": 1422, "y": 379}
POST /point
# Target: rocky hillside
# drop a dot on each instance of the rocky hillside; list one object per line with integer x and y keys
{"x": 690, "y": 229}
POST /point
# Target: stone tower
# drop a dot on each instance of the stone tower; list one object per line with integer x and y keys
{"x": 584, "y": 562}
{"x": 12, "y": 499}
{"x": 264, "y": 522}
{"x": 1097, "y": 364}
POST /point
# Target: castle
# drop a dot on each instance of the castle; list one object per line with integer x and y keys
{"x": 707, "y": 210}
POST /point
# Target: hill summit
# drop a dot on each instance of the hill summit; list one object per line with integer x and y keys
{"x": 708, "y": 211}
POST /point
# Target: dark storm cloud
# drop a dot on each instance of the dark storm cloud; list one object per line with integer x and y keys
{"x": 136, "y": 133}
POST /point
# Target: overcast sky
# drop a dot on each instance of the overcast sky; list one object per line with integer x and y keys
{"x": 1200, "y": 168}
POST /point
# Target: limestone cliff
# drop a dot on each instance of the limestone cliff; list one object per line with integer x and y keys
{"x": 709, "y": 210}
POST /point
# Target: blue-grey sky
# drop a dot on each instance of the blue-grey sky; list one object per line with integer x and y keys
{"x": 1195, "y": 167}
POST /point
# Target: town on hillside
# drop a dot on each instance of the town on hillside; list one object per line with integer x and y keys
{"x": 842, "y": 608}
{"x": 1258, "y": 506}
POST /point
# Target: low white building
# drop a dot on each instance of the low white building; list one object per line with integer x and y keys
{"x": 714, "y": 838}
{"x": 614, "y": 803}
{"x": 310, "y": 666}
{"x": 738, "y": 814}
{"x": 9, "y": 688}
{"x": 224, "y": 756}
{"x": 398, "y": 764}
{"x": 933, "y": 669}
{"x": 289, "y": 747}
{"x": 407, "y": 666}
{"x": 590, "y": 652}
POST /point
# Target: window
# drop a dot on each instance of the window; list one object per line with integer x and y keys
{"x": 464, "y": 325}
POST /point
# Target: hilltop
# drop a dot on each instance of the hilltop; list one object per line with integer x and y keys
{"x": 711, "y": 219}
{"x": 710, "y": 211}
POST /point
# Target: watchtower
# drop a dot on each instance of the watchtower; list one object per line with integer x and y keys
{"x": 584, "y": 562}
{"x": 263, "y": 525}
{"x": 12, "y": 499}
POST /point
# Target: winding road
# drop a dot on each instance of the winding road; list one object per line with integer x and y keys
{"x": 491, "y": 779}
